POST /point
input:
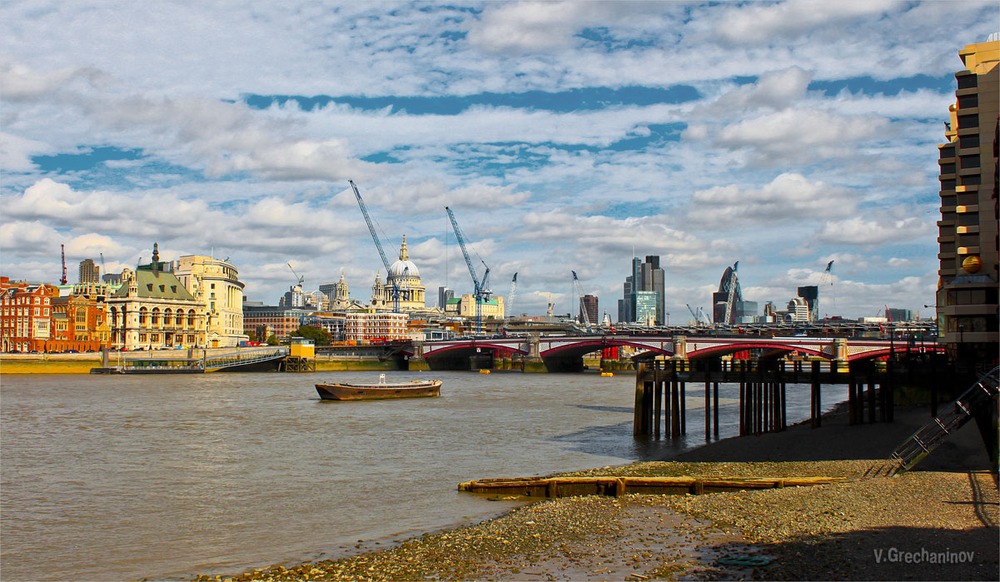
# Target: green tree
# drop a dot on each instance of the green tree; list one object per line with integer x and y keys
{"x": 272, "y": 340}
{"x": 318, "y": 335}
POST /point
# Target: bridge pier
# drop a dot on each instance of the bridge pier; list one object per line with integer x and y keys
{"x": 417, "y": 364}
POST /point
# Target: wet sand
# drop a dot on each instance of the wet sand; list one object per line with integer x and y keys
{"x": 935, "y": 523}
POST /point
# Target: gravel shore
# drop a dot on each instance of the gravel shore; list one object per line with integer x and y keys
{"x": 923, "y": 525}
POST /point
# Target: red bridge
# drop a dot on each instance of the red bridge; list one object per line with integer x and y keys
{"x": 565, "y": 353}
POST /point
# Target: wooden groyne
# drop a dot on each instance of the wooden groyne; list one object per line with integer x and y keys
{"x": 552, "y": 487}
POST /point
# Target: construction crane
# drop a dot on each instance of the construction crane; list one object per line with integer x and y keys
{"x": 378, "y": 244}
{"x": 698, "y": 315}
{"x": 827, "y": 279}
{"x": 583, "y": 308}
{"x": 481, "y": 291}
{"x": 297, "y": 276}
{"x": 64, "y": 279}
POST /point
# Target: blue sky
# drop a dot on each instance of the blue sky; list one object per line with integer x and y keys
{"x": 566, "y": 136}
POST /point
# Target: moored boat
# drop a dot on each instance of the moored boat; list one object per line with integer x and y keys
{"x": 381, "y": 391}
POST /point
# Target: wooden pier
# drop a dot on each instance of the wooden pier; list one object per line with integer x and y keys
{"x": 661, "y": 389}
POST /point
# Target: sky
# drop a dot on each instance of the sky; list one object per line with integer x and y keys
{"x": 564, "y": 135}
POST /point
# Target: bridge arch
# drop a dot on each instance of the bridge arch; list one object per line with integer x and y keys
{"x": 732, "y": 348}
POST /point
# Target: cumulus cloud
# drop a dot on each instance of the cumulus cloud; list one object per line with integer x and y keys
{"x": 540, "y": 26}
{"x": 761, "y": 23}
{"x": 871, "y": 231}
{"x": 18, "y": 82}
{"x": 799, "y": 135}
{"x": 789, "y": 196}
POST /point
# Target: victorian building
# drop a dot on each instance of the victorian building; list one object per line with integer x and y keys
{"x": 215, "y": 284}
{"x": 154, "y": 310}
{"x": 26, "y": 316}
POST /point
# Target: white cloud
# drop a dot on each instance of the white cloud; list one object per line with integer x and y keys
{"x": 763, "y": 22}
{"x": 788, "y": 197}
{"x": 869, "y": 232}
{"x": 799, "y": 135}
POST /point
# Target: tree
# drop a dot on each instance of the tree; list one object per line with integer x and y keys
{"x": 318, "y": 335}
{"x": 272, "y": 340}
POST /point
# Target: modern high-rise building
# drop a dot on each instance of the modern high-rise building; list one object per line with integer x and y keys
{"x": 647, "y": 278}
{"x": 728, "y": 306}
{"x": 811, "y": 294}
{"x": 89, "y": 272}
{"x": 967, "y": 298}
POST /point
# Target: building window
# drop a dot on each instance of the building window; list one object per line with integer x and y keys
{"x": 967, "y": 81}
{"x": 965, "y": 121}
{"x": 970, "y": 162}
{"x": 969, "y": 141}
{"x": 968, "y": 101}
{"x": 947, "y": 168}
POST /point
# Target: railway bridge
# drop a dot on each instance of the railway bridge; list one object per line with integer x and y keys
{"x": 565, "y": 353}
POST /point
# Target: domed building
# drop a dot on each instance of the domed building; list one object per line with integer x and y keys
{"x": 406, "y": 274}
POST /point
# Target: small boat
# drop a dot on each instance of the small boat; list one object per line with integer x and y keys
{"x": 381, "y": 391}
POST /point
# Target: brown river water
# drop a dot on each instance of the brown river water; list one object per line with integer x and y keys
{"x": 165, "y": 477}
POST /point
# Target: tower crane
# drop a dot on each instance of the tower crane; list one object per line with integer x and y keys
{"x": 297, "y": 276}
{"x": 62, "y": 249}
{"x": 378, "y": 244}
{"x": 481, "y": 291}
{"x": 826, "y": 279}
{"x": 698, "y": 315}
{"x": 583, "y": 308}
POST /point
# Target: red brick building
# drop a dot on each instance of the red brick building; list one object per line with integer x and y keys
{"x": 79, "y": 324}
{"x": 26, "y": 316}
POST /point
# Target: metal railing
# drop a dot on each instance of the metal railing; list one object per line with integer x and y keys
{"x": 931, "y": 435}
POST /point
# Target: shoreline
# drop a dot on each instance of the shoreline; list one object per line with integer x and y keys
{"x": 857, "y": 529}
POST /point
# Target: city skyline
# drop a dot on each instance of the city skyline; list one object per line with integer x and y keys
{"x": 568, "y": 136}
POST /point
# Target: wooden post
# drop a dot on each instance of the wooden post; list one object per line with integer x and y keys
{"x": 708, "y": 406}
{"x": 784, "y": 407}
{"x": 744, "y": 396}
{"x": 815, "y": 398}
{"x": 682, "y": 398}
{"x": 657, "y": 403}
{"x": 871, "y": 396}
{"x": 715, "y": 406}
{"x": 667, "y": 405}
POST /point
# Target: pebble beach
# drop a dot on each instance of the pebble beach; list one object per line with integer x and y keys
{"x": 939, "y": 522}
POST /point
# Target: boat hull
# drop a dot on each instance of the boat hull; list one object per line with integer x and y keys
{"x": 379, "y": 391}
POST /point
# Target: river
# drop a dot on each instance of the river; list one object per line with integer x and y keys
{"x": 165, "y": 477}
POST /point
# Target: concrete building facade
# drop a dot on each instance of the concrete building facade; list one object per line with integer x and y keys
{"x": 967, "y": 298}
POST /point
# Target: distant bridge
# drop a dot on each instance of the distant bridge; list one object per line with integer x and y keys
{"x": 565, "y": 353}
